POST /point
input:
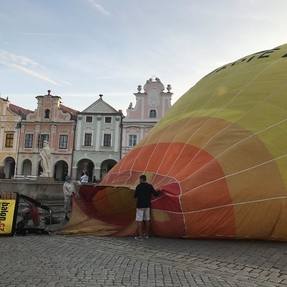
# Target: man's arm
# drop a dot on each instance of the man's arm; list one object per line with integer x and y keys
{"x": 64, "y": 188}
{"x": 73, "y": 188}
{"x": 136, "y": 193}
{"x": 154, "y": 192}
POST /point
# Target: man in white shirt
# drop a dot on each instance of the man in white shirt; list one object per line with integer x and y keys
{"x": 69, "y": 190}
{"x": 84, "y": 178}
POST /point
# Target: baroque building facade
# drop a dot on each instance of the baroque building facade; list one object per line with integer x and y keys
{"x": 91, "y": 141}
{"x": 97, "y": 141}
{"x": 151, "y": 105}
{"x": 10, "y": 118}
{"x": 51, "y": 122}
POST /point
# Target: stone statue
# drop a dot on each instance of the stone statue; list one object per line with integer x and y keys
{"x": 45, "y": 154}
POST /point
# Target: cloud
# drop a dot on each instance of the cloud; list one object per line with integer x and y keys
{"x": 25, "y": 65}
{"x": 34, "y": 74}
{"x": 99, "y": 8}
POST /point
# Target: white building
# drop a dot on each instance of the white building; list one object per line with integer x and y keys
{"x": 97, "y": 141}
{"x": 151, "y": 105}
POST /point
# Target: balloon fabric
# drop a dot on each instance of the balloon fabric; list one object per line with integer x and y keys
{"x": 219, "y": 157}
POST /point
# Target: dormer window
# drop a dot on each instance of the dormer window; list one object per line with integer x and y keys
{"x": 47, "y": 114}
{"x": 152, "y": 113}
{"x": 108, "y": 120}
{"x": 89, "y": 119}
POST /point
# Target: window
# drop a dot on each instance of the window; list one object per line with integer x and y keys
{"x": 107, "y": 140}
{"x": 108, "y": 120}
{"x": 47, "y": 114}
{"x": 9, "y": 140}
{"x": 63, "y": 141}
{"x": 88, "y": 140}
{"x": 42, "y": 138}
{"x": 28, "y": 140}
{"x": 152, "y": 113}
{"x": 89, "y": 119}
{"x": 132, "y": 140}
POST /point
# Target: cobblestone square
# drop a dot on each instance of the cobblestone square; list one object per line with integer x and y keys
{"x": 104, "y": 261}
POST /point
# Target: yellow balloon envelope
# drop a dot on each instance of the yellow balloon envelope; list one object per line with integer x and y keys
{"x": 219, "y": 156}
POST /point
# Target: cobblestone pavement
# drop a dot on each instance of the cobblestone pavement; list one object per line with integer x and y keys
{"x": 95, "y": 261}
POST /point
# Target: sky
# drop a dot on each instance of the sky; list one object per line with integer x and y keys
{"x": 82, "y": 48}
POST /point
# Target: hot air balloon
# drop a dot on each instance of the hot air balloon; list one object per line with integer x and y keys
{"x": 219, "y": 157}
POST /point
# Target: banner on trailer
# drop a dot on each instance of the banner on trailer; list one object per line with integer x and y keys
{"x": 7, "y": 216}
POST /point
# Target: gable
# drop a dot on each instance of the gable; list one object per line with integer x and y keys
{"x": 100, "y": 106}
{"x": 16, "y": 110}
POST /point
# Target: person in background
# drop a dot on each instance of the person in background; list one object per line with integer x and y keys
{"x": 84, "y": 178}
{"x": 143, "y": 194}
{"x": 69, "y": 190}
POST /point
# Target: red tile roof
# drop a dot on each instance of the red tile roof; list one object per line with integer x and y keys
{"x": 19, "y": 110}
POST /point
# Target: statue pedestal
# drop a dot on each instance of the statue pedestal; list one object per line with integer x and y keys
{"x": 23, "y": 177}
{"x": 45, "y": 179}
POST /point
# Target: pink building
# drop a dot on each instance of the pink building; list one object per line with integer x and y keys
{"x": 151, "y": 105}
{"x": 52, "y": 122}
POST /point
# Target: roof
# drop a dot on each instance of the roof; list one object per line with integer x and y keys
{"x": 100, "y": 106}
{"x": 19, "y": 111}
{"x": 71, "y": 111}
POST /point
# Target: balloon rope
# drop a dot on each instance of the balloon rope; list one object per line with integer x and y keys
{"x": 225, "y": 205}
{"x": 240, "y": 171}
{"x": 236, "y": 144}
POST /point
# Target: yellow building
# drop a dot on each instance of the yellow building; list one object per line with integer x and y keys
{"x": 10, "y": 119}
